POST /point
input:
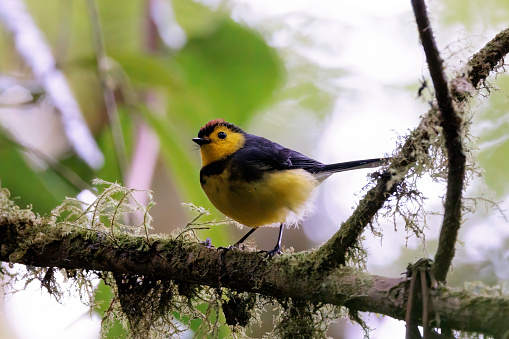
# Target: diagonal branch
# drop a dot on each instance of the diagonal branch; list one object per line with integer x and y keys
{"x": 485, "y": 61}
{"x": 334, "y": 251}
{"x": 451, "y": 124}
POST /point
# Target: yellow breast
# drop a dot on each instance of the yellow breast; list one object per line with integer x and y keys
{"x": 262, "y": 202}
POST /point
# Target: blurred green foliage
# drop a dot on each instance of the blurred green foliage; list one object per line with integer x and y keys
{"x": 103, "y": 296}
{"x": 494, "y": 137}
{"x": 44, "y": 189}
{"x": 474, "y": 12}
{"x": 225, "y": 70}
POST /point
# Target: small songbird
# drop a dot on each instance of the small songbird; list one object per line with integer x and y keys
{"x": 258, "y": 182}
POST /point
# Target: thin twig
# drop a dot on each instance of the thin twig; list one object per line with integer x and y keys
{"x": 146, "y": 148}
{"x": 103, "y": 67}
{"x": 451, "y": 124}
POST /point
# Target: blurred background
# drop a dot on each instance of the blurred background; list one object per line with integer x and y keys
{"x": 116, "y": 90}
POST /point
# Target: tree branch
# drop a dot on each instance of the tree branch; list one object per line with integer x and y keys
{"x": 451, "y": 124}
{"x": 294, "y": 276}
{"x": 485, "y": 61}
{"x": 333, "y": 252}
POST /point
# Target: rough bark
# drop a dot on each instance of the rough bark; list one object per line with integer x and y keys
{"x": 33, "y": 242}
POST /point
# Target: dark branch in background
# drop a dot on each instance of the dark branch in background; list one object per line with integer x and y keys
{"x": 286, "y": 276}
{"x": 451, "y": 124}
{"x": 333, "y": 252}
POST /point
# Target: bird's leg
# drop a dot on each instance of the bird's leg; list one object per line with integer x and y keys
{"x": 240, "y": 241}
{"x": 245, "y": 237}
{"x": 277, "y": 249}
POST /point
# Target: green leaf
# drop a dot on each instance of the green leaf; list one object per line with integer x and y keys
{"x": 43, "y": 189}
{"x": 230, "y": 73}
{"x": 150, "y": 70}
{"x": 196, "y": 19}
{"x": 103, "y": 296}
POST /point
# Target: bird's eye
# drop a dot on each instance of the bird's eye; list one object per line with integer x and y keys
{"x": 221, "y": 135}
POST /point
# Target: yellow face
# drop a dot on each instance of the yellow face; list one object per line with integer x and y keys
{"x": 223, "y": 142}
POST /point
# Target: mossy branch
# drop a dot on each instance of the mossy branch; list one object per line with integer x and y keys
{"x": 39, "y": 242}
{"x": 488, "y": 58}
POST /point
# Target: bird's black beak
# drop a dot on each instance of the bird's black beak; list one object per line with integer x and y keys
{"x": 201, "y": 141}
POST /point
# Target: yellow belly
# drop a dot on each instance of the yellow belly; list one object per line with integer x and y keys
{"x": 262, "y": 202}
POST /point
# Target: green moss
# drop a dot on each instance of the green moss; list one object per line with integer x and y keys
{"x": 143, "y": 306}
{"x": 298, "y": 319}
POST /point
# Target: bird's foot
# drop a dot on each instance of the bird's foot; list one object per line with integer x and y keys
{"x": 236, "y": 245}
{"x": 272, "y": 252}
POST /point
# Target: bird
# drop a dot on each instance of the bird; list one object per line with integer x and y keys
{"x": 258, "y": 182}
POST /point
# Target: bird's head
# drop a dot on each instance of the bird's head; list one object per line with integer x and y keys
{"x": 219, "y": 139}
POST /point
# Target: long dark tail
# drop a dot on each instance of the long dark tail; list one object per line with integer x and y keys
{"x": 357, "y": 164}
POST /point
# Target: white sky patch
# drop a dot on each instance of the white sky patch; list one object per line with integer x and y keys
{"x": 346, "y": 11}
{"x": 488, "y": 234}
{"x": 44, "y": 318}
